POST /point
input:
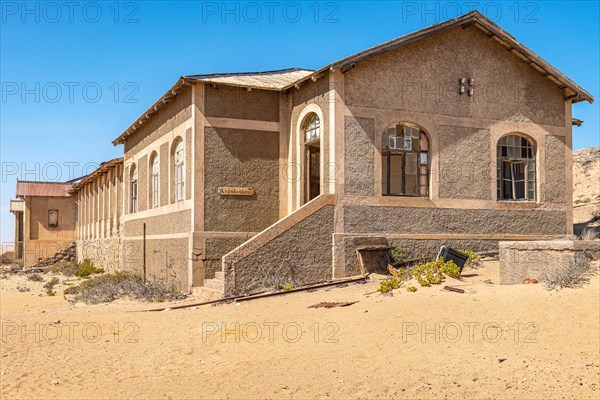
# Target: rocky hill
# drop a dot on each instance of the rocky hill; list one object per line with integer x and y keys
{"x": 586, "y": 188}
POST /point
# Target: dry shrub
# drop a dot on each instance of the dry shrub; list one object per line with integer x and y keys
{"x": 121, "y": 284}
{"x": 589, "y": 234}
{"x": 575, "y": 274}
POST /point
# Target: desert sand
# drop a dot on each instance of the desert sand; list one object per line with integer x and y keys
{"x": 500, "y": 342}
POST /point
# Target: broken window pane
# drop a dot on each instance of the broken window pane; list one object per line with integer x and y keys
{"x": 516, "y": 168}
{"x": 53, "y": 218}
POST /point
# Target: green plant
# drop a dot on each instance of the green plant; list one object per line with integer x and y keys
{"x": 86, "y": 268}
{"x": 287, "y": 287}
{"x": 411, "y": 289}
{"x": 473, "y": 258}
{"x": 450, "y": 269}
{"x": 389, "y": 284}
{"x": 398, "y": 254}
{"x": 71, "y": 290}
{"x": 64, "y": 268}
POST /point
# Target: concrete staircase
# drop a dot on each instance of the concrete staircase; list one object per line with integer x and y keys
{"x": 213, "y": 289}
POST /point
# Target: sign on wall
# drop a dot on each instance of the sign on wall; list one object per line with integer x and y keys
{"x": 235, "y": 191}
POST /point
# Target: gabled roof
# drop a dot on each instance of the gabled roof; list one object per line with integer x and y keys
{"x": 285, "y": 79}
{"x": 493, "y": 31}
{"x": 267, "y": 80}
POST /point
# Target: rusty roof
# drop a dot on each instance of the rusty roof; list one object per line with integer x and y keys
{"x": 49, "y": 189}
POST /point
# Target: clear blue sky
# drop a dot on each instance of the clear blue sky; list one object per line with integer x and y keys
{"x": 66, "y": 53}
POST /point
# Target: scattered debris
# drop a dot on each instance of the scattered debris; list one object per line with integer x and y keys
{"x": 453, "y": 289}
{"x": 327, "y": 304}
{"x": 501, "y": 360}
{"x": 55, "y": 382}
{"x": 488, "y": 281}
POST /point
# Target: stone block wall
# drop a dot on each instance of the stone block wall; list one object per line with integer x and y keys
{"x": 532, "y": 259}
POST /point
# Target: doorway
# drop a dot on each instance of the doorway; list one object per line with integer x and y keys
{"x": 313, "y": 171}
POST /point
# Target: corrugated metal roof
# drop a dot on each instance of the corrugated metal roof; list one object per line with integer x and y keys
{"x": 267, "y": 80}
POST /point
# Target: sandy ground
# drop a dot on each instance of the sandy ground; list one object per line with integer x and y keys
{"x": 491, "y": 342}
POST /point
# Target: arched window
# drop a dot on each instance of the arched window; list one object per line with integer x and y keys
{"x": 154, "y": 180}
{"x": 133, "y": 188}
{"x": 178, "y": 171}
{"x": 312, "y": 148}
{"x": 405, "y": 161}
{"x": 312, "y": 128}
{"x": 516, "y": 168}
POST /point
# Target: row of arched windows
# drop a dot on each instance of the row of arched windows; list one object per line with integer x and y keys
{"x": 177, "y": 177}
{"x": 406, "y": 162}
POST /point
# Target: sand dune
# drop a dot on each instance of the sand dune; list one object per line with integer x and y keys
{"x": 491, "y": 342}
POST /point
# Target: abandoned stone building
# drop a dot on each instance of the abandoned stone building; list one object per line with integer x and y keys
{"x": 456, "y": 134}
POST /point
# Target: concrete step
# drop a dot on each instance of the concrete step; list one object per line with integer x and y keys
{"x": 204, "y": 293}
{"x": 216, "y": 284}
{"x": 220, "y": 275}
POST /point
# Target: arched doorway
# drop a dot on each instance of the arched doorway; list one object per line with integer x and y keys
{"x": 311, "y": 129}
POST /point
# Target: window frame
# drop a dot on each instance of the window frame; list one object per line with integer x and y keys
{"x": 179, "y": 171}
{"x": 387, "y": 153}
{"x": 529, "y": 162}
{"x": 133, "y": 190}
{"x": 53, "y": 225}
{"x": 154, "y": 200}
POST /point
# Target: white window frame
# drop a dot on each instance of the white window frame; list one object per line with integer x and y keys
{"x": 179, "y": 172}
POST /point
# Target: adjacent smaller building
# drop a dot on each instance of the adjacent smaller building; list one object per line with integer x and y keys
{"x": 45, "y": 220}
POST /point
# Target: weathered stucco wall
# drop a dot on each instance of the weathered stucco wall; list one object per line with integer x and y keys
{"x": 172, "y": 222}
{"x": 453, "y": 220}
{"x": 238, "y": 103}
{"x": 301, "y": 255}
{"x": 172, "y": 115}
{"x": 214, "y": 249}
{"x": 40, "y": 240}
{"x": 166, "y": 259}
{"x": 464, "y": 163}
{"x": 423, "y": 77}
{"x": 240, "y": 158}
{"x": 359, "y": 160}
{"x": 554, "y": 189}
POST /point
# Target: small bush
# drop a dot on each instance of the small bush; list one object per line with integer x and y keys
{"x": 287, "y": 287}
{"x": 389, "y": 284}
{"x": 86, "y": 268}
{"x": 67, "y": 269}
{"x": 589, "y": 234}
{"x": 575, "y": 274}
{"x": 35, "y": 278}
{"x": 109, "y": 287}
{"x": 398, "y": 254}
{"x": 473, "y": 259}
{"x": 411, "y": 289}
{"x": 71, "y": 290}
{"x": 51, "y": 283}
{"x": 433, "y": 272}
{"x": 23, "y": 289}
